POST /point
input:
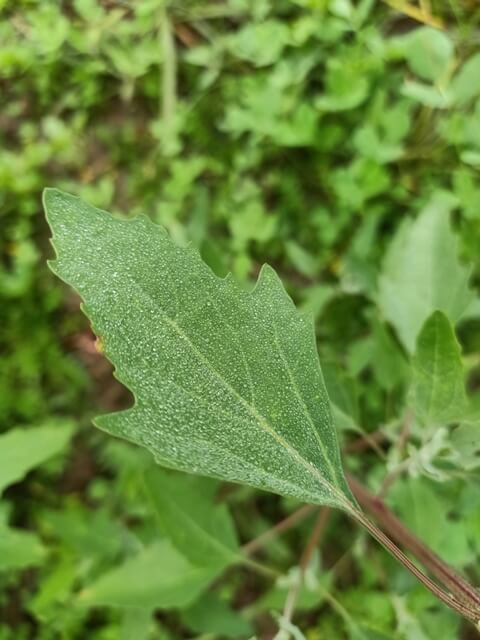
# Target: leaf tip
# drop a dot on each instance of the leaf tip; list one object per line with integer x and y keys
{"x": 268, "y": 278}
{"x": 51, "y": 197}
{"x": 56, "y": 203}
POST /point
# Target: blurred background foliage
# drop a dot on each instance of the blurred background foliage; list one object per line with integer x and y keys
{"x": 303, "y": 133}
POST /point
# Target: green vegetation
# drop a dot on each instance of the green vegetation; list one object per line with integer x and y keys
{"x": 339, "y": 142}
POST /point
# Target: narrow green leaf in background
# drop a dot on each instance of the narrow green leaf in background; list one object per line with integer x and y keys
{"x": 466, "y": 84}
{"x": 438, "y": 391}
{"x": 227, "y": 382}
{"x": 19, "y": 549}
{"x": 200, "y": 529}
{"x": 421, "y": 273}
{"x": 158, "y": 577}
{"x": 343, "y": 397}
{"x": 21, "y": 450}
{"x": 302, "y": 260}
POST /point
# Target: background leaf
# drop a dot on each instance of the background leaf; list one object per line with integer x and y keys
{"x": 421, "y": 273}
{"x": 19, "y": 549}
{"x": 466, "y": 84}
{"x": 212, "y": 615}
{"x": 200, "y": 529}
{"x": 428, "y": 52}
{"x": 227, "y": 383}
{"x": 157, "y": 577}
{"x": 24, "y": 449}
{"x": 465, "y": 441}
{"x": 438, "y": 390}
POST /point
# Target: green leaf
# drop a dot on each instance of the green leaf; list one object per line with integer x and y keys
{"x": 343, "y": 397}
{"x": 301, "y": 259}
{"x": 438, "y": 391}
{"x": 346, "y": 86}
{"x": 421, "y": 273}
{"x": 466, "y": 84}
{"x": 382, "y": 354}
{"x": 316, "y": 298}
{"x": 158, "y": 577}
{"x": 227, "y": 382}
{"x": 465, "y": 442}
{"x": 136, "y": 624}
{"x": 261, "y": 43}
{"x": 428, "y": 52}
{"x": 425, "y": 94}
{"x": 311, "y": 593}
{"x": 200, "y": 529}
{"x": 211, "y": 615}
{"x": 422, "y": 506}
{"x": 89, "y": 534}
{"x": 19, "y": 549}
{"x": 55, "y": 586}
{"x": 24, "y": 449}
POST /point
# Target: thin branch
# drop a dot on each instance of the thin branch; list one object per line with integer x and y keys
{"x": 469, "y": 610}
{"x": 400, "y": 446}
{"x": 456, "y": 583}
{"x": 259, "y": 567}
{"x": 390, "y": 478}
{"x": 416, "y": 13}
{"x": 366, "y": 441}
{"x": 310, "y": 547}
{"x": 425, "y": 6}
{"x": 284, "y": 525}
{"x": 461, "y": 596}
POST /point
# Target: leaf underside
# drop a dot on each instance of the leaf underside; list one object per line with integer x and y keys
{"x": 227, "y": 383}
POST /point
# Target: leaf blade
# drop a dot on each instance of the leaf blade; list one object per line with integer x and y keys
{"x": 421, "y": 273}
{"x": 21, "y": 450}
{"x": 438, "y": 390}
{"x": 157, "y": 577}
{"x": 239, "y": 369}
{"x": 19, "y": 549}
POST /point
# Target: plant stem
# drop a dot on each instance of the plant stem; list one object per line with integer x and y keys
{"x": 259, "y": 567}
{"x": 461, "y": 596}
{"x": 282, "y": 526}
{"x": 414, "y": 12}
{"x": 469, "y": 610}
{"x": 455, "y": 582}
{"x": 367, "y": 441}
{"x": 310, "y": 547}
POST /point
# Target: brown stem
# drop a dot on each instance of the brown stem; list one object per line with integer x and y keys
{"x": 367, "y": 441}
{"x": 312, "y": 543}
{"x": 468, "y": 611}
{"x": 289, "y": 522}
{"x": 400, "y": 445}
{"x": 414, "y": 12}
{"x": 456, "y": 583}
